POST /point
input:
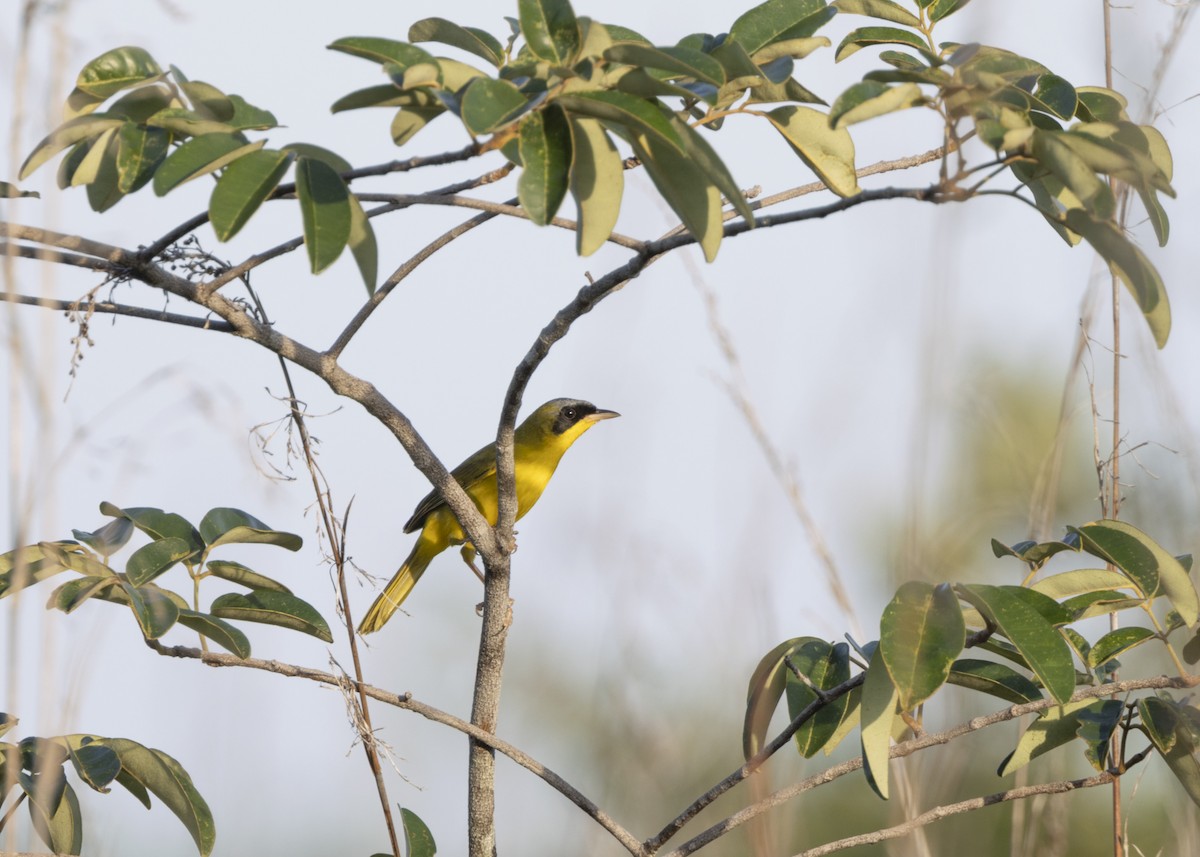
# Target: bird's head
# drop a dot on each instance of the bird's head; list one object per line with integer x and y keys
{"x": 561, "y": 421}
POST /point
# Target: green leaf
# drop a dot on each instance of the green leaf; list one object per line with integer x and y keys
{"x": 319, "y": 153}
{"x": 272, "y": 608}
{"x": 149, "y": 561}
{"x": 920, "y": 634}
{"x": 72, "y": 556}
{"x": 545, "y": 143}
{"x": 680, "y": 61}
{"x": 867, "y": 36}
{"x": 940, "y": 9}
{"x": 885, "y": 10}
{"x": 994, "y": 679}
{"x": 58, "y": 823}
{"x": 826, "y": 666}
{"x": 1051, "y": 151}
{"x": 418, "y": 840}
{"x": 115, "y": 70}
{"x": 157, "y": 772}
{"x": 1037, "y": 640}
{"x": 1097, "y": 104}
{"x": 11, "y": 191}
{"x": 363, "y": 245}
{"x": 247, "y": 117}
{"x": 74, "y": 592}
{"x": 550, "y": 29}
{"x": 765, "y": 689}
{"x": 637, "y": 115}
{"x": 880, "y": 700}
{"x": 1115, "y": 643}
{"x": 96, "y": 765}
{"x": 697, "y": 149}
{"x": 157, "y": 524}
{"x": 1056, "y": 95}
{"x": 478, "y": 42}
{"x": 1154, "y": 569}
{"x": 794, "y": 48}
{"x": 244, "y": 186}
{"x": 237, "y": 573}
{"x": 218, "y": 630}
{"x": 139, "y": 153}
{"x": 108, "y": 539}
{"x": 201, "y": 156}
{"x": 597, "y": 181}
{"x": 100, "y": 168}
{"x": 155, "y": 612}
{"x": 324, "y": 210}
{"x": 773, "y": 21}
{"x": 206, "y": 99}
{"x": 1168, "y": 730}
{"x": 223, "y": 526}
{"x": 65, "y": 135}
{"x": 7, "y": 722}
{"x": 1100, "y": 603}
{"x": 409, "y": 120}
{"x": 1131, "y": 266}
{"x": 488, "y": 105}
{"x": 869, "y": 98}
{"x": 1053, "y": 728}
{"x": 1080, "y": 581}
{"x": 1050, "y": 610}
{"x": 383, "y": 51}
{"x": 828, "y": 152}
{"x": 26, "y": 566}
{"x": 182, "y": 121}
{"x": 383, "y": 95}
{"x": 1096, "y": 728}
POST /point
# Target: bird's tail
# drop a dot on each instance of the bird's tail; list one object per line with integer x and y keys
{"x": 399, "y": 586}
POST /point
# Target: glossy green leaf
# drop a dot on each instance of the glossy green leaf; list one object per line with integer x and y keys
{"x": 1035, "y": 638}
{"x": 885, "y": 10}
{"x": 685, "y": 62}
{"x": 156, "y": 523}
{"x": 828, "y": 152}
{"x": 382, "y": 50}
{"x": 597, "y": 182}
{"x": 103, "y": 179}
{"x": 58, "y": 823}
{"x": 1100, "y": 603}
{"x": 1052, "y": 152}
{"x": 868, "y": 36}
{"x": 1156, "y": 214}
{"x": 1097, "y": 104}
{"x": 149, "y": 561}
{"x": 705, "y": 157}
{"x": 880, "y": 701}
{"x": 65, "y": 135}
{"x": 96, "y": 765}
{"x": 80, "y": 103}
{"x": 621, "y": 109}
{"x": 772, "y": 21}
{"x": 223, "y": 525}
{"x": 201, "y": 156}
{"x": 182, "y": 121}
{"x": 272, "y": 608}
{"x": 545, "y": 146}
{"x": 247, "y": 117}
{"x": 1115, "y": 643}
{"x": 488, "y": 105}
{"x": 1097, "y": 724}
{"x": 237, "y": 573}
{"x": 363, "y": 245}
{"x": 1053, "y": 728}
{"x": 218, "y": 630}
{"x": 383, "y": 95}
{"x": 921, "y": 632}
{"x": 740, "y": 71}
{"x": 26, "y": 566}
{"x": 207, "y": 100}
{"x": 108, "y": 539}
{"x": 115, "y": 70}
{"x": 324, "y": 211}
{"x": 160, "y": 774}
{"x": 850, "y": 721}
{"x": 70, "y": 555}
{"x": 794, "y": 48}
{"x": 940, "y": 9}
{"x": 478, "y": 42}
{"x": 825, "y": 666}
{"x": 243, "y": 187}
{"x": 155, "y": 612}
{"x": 765, "y": 689}
{"x": 995, "y": 679}
{"x": 1132, "y": 267}
{"x": 550, "y": 29}
{"x": 1050, "y": 610}
{"x": 1173, "y": 739}
{"x": 74, "y": 592}
{"x": 418, "y": 840}
{"x": 868, "y": 99}
{"x": 686, "y": 188}
{"x": 409, "y": 120}
{"x": 1143, "y": 560}
{"x": 1056, "y": 95}
{"x": 1080, "y": 581}
{"x": 319, "y": 153}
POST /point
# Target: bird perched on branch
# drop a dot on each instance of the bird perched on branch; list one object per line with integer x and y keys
{"x": 538, "y": 445}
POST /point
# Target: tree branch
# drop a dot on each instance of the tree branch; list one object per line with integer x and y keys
{"x": 43, "y": 255}
{"x": 119, "y": 309}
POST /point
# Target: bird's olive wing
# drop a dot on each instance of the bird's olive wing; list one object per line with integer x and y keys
{"x": 475, "y": 469}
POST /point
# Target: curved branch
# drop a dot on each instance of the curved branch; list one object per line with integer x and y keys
{"x": 108, "y": 252}
{"x": 43, "y": 254}
{"x": 119, "y": 309}
{"x": 406, "y": 702}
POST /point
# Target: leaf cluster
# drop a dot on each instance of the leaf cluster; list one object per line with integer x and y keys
{"x": 173, "y": 541}
{"x": 37, "y": 768}
{"x": 925, "y": 630}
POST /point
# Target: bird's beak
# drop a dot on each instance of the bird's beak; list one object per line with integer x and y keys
{"x": 601, "y": 415}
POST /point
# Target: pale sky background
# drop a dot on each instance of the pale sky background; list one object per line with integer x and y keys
{"x": 664, "y": 553}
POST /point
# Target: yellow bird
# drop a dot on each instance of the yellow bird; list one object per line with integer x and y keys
{"x": 538, "y": 445}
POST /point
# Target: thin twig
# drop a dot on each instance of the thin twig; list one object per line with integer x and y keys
{"x": 120, "y": 309}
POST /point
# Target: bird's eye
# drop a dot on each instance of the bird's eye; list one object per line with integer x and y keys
{"x": 569, "y": 413}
